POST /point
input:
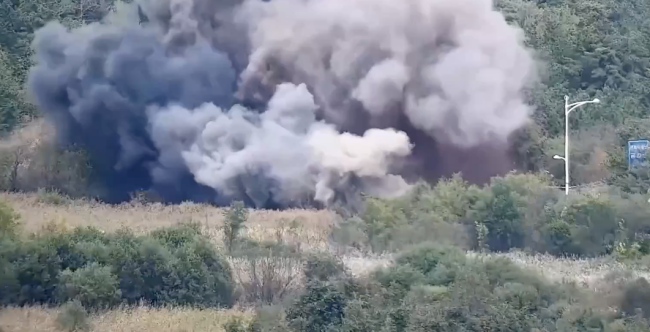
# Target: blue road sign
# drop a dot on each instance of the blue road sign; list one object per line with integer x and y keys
{"x": 636, "y": 152}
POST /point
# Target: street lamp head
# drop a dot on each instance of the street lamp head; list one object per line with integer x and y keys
{"x": 566, "y": 97}
{"x": 596, "y": 100}
{"x": 557, "y": 157}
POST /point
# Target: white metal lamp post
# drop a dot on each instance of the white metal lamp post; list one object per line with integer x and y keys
{"x": 567, "y": 109}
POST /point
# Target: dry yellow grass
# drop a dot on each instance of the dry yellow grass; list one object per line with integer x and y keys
{"x": 313, "y": 225}
{"x": 589, "y": 272}
{"x": 138, "y": 319}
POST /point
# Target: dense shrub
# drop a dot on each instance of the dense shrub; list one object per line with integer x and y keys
{"x": 482, "y": 295}
{"x": 500, "y": 212}
{"x": 593, "y": 222}
{"x": 200, "y": 276}
{"x": 426, "y": 257}
{"x": 516, "y": 211}
{"x": 319, "y": 309}
{"x": 9, "y": 283}
{"x": 37, "y": 266}
{"x": 321, "y": 306}
{"x": 557, "y": 238}
{"x": 504, "y": 208}
{"x": 73, "y": 317}
{"x": 322, "y": 267}
{"x": 190, "y": 274}
{"x": 143, "y": 265}
{"x": 93, "y": 285}
{"x": 177, "y": 236}
{"x": 79, "y": 247}
{"x": 172, "y": 266}
{"x": 8, "y": 220}
{"x": 427, "y": 213}
{"x": 234, "y": 219}
{"x": 399, "y": 278}
{"x": 636, "y": 298}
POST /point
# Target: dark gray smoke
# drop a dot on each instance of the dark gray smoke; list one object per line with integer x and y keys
{"x": 286, "y": 102}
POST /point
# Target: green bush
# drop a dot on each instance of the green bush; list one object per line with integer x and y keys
{"x": 102, "y": 269}
{"x": 589, "y": 224}
{"x": 500, "y": 271}
{"x": 426, "y": 257}
{"x": 435, "y": 288}
{"x": 94, "y": 286}
{"x": 322, "y": 267}
{"x": 350, "y": 233}
{"x": 319, "y": 309}
{"x": 636, "y": 297}
{"x": 142, "y": 265}
{"x": 199, "y": 276}
{"x": 501, "y": 207}
{"x": 512, "y": 211}
{"x": 593, "y": 222}
{"x": 9, "y": 283}
{"x": 37, "y": 267}
{"x": 9, "y": 220}
{"x": 557, "y": 238}
{"x": 426, "y": 213}
{"x": 193, "y": 273}
{"x": 399, "y": 278}
{"x": 482, "y": 295}
{"x": 235, "y": 324}
{"x": 234, "y": 219}
{"x": 80, "y": 247}
{"x": 177, "y": 236}
{"x": 516, "y": 211}
{"x": 73, "y": 317}
{"x": 632, "y": 212}
{"x": 380, "y": 219}
{"x": 371, "y": 312}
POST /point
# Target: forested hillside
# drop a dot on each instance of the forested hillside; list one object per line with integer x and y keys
{"x": 592, "y": 49}
{"x": 19, "y": 21}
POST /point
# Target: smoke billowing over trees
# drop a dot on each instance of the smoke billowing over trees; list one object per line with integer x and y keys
{"x": 285, "y": 102}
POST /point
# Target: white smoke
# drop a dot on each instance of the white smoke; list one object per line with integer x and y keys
{"x": 300, "y": 155}
{"x": 455, "y": 68}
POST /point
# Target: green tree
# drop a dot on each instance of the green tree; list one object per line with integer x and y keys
{"x": 94, "y": 286}
{"x": 13, "y": 105}
{"x": 234, "y": 221}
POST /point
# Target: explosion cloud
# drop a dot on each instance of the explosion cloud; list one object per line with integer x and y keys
{"x": 286, "y": 102}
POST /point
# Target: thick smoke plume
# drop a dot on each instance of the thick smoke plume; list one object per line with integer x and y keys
{"x": 287, "y": 102}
